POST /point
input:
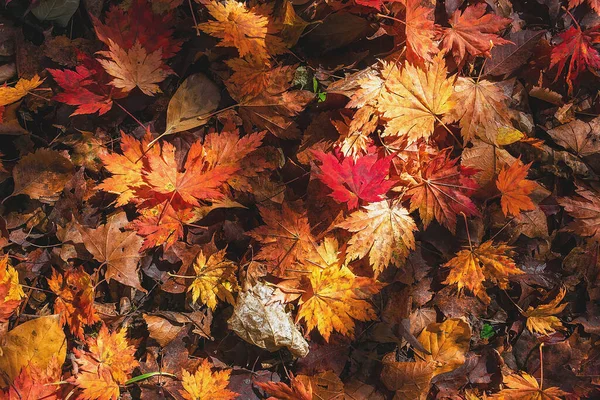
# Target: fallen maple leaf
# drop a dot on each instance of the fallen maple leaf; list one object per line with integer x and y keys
{"x": 384, "y": 230}
{"x": 446, "y": 344}
{"x": 11, "y": 291}
{"x": 337, "y": 296}
{"x": 205, "y": 384}
{"x": 105, "y": 365}
{"x": 410, "y": 380}
{"x": 200, "y": 179}
{"x": 515, "y": 189}
{"x": 585, "y": 208}
{"x": 354, "y": 179}
{"x": 442, "y": 191}
{"x": 576, "y": 45}
{"x": 34, "y": 383}
{"x": 482, "y": 108}
{"x": 215, "y": 279}
{"x": 420, "y": 32}
{"x": 140, "y": 24}
{"x": 542, "y": 319}
{"x": 118, "y": 250}
{"x": 134, "y": 68}
{"x": 239, "y": 27}
{"x": 281, "y": 391}
{"x": 474, "y": 32}
{"x": 126, "y": 168}
{"x": 523, "y": 386}
{"x": 414, "y": 99}
{"x": 286, "y": 238}
{"x": 10, "y": 95}
{"x": 81, "y": 89}
{"x": 471, "y": 267}
{"x": 75, "y": 301}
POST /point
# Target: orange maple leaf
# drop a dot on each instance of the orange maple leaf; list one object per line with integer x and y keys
{"x": 75, "y": 302}
{"x": 239, "y": 27}
{"x": 420, "y": 32}
{"x": 471, "y": 267}
{"x": 286, "y": 239}
{"x": 134, "y": 68}
{"x": 515, "y": 189}
{"x": 281, "y": 391}
{"x": 336, "y": 297}
{"x": 523, "y": 386}
{"x": 199, "y": 180}
{"x": 105, "y": 365}
{"x": 474, "y": 32}
{"x": 35, "y": 383}
{"x": 205, "y": 384}
{"x": 11, "y": 291}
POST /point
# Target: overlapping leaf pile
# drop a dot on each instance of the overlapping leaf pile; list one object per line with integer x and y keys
{"x": 341, "y": 199}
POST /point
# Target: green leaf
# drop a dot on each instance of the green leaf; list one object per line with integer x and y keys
{"x": 487, "y": 331}
{"x": 148, "y": 375}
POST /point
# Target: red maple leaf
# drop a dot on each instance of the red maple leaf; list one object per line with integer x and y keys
{"x": 577, "y": 46}
{"x": 352, "y": 179}
{"x": 87, "y": 87}
{"x": 442, "y": 191}
{"x": 138, "y": 23}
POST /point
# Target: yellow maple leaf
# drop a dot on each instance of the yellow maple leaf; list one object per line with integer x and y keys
{"x": 337, "y": 296}
{"x": 107, "y": 364}
{"x": 471, "y": 267}
{"x": 414, "y": 99}
{"x": 542, "y": 320}
{"x": 525, "y": 387}
{"x": 446, "y": 343}
{"x": 134, "y": 68}
{"x": 384, "y": 230}
{"x": 239, "y": 27}
{"x": 215, "y": 279}
{"x": 205, "y": 384}
{"x": 10, "y": 95}
{"x": 11, "y": 291}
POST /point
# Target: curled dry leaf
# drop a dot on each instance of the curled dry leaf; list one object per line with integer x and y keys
{"x": 542, "y": 319}
{"x": 264, "y": 324}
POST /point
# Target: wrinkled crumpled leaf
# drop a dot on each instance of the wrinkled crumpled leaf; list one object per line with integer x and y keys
{"x": 267, "y": 326}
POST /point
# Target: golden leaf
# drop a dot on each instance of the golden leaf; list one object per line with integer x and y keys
{"x": 542, "y": 320}
{"x": 383, "y": 230}
{"x": 10, "y": 95}
{"x": 471, "y": 267}
{"x": 447, "y": 344}
{"x": 414, "y": 99}
{"x": 205, "y": 384}
{"x": 215, "y": 279}
{"x": 337, "y": 296}
{"x": 525, "y": 387}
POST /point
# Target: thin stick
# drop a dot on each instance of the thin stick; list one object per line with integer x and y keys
{"x": 130, "y": 114}
{"x": 541, "y": 366}
{"x": 194, "y": 18}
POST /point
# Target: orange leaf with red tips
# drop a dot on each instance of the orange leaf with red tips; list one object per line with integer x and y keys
{"x": 11, "y": 291}
{"x": 515, "y": 189}
{"x": 420, "y": 32}
{"x": 35, "y": 383}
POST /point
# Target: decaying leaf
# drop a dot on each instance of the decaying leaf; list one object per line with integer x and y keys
{"x": 264, "y": 324}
